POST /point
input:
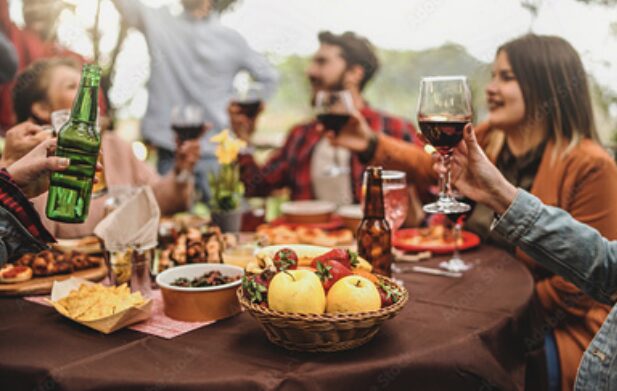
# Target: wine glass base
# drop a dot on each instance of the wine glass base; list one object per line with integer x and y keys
{"x": 455, "y": 265}
{"x": 446, "y": 207}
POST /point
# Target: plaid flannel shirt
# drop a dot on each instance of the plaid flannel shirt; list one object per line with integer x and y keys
{"x": 290, "y": 166}
{"x": 14, "y": 201}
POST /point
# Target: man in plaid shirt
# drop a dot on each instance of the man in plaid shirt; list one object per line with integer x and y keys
{"x": 346, "y": 62}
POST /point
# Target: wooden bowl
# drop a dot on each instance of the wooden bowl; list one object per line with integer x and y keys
{"x": 199, "y": 304}
{"x": 308, "y": 212}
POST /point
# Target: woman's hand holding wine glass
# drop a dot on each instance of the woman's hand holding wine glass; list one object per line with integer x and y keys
{"x": 444, "y": 109}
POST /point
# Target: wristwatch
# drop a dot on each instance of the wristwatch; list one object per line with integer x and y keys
{"x": 369, "y": 153}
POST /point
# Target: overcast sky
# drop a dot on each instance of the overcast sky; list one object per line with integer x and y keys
{"x": 290, "y": 26}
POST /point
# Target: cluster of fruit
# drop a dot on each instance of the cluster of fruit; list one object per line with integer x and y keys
{"x": 335, "y": 282}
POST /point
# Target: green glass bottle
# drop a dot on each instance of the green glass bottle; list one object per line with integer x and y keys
{"x": 79, "y": 140}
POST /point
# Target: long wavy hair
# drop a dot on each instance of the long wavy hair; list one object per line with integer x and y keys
{"x": 554, "y": 86}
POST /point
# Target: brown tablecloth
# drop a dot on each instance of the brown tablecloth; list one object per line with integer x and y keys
{"x": 455, "y": 334}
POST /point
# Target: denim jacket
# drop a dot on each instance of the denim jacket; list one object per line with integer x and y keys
{"x": 578, "y": 252}
{"x": 15, "y": 240}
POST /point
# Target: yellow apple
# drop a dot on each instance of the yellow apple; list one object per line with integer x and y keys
{"x": 353, "y": 294}
{"x": 297, "y": 291}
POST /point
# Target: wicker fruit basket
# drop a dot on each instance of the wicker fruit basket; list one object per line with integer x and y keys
{"x": 326, "y": 332}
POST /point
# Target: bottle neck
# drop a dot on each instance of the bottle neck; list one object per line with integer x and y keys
{"x": 85, "y": 106}
{"x": 373, "y": 202}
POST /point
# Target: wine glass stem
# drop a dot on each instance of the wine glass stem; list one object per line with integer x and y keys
{"x": 457, "y": 235}
{"x": 445, "y": 192}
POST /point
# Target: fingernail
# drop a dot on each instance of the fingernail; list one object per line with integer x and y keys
{"x": 64, "y": 162}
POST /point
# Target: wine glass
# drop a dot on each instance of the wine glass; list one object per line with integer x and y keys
{"x": 444, "y": 108}
{"x": 249, "y": 97}
{"x": 333, "y": 109}
{"x": 456, "y": 263}
{"x": 187, "y": 121}
{"x": 58, "y": 119}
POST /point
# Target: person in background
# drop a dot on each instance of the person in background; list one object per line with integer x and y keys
{"x": 21, "y": 230}
{"x": 555, "y": 240}
{"x": 348, "y": 62}
{"x": 542, "y": 136}
{"x": 36, "y": 40}
{"x": 8, "y": 59}
{"x": 52, "y": 84}
{"x": 194, "y": 60}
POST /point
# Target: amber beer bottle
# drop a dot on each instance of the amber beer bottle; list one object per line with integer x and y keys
{"x": 79, "y": 140}
{"x": 374, "y": 235}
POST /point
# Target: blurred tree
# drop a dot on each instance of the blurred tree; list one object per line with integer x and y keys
{"x": 532, "y": 6}
{"x": 599, "y": 2}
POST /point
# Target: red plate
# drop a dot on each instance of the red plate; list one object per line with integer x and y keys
{"x": 470, "y": 240}
{"x": 335, "y": 222}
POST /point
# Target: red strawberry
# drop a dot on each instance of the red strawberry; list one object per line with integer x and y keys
{"x": 348, "y": 258}
{"x": 330, "y": 272}
{"x": 285, "y": 259}
{"x": 256, "y": 286}
{"x": 388, "y": 295}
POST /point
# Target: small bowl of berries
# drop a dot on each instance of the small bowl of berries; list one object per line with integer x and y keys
{"x": 200, "y": 292}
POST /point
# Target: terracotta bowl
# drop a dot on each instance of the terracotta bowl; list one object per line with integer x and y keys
{"x": 351, "y": 215}
{"x": 308, "y": 212}
{"x": 199, "y": 304}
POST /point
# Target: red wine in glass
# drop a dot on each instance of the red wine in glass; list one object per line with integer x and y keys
{"x": 187, "y": 131}
{"x": 442, "y": 134}
{"x": 334, "y": 122}
{"x": 249, "y": 108}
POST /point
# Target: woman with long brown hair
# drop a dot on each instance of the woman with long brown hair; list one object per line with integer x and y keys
{"x": 542, "y": 136}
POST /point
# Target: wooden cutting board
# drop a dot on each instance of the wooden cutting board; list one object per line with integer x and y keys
{"x": 42, "y": 285}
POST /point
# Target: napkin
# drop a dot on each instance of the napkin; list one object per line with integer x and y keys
{"x": 134, "y": 224}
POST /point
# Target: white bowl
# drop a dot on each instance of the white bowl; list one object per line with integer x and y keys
{"x": 308, "y": 211}
{"x": 166, "y": 278}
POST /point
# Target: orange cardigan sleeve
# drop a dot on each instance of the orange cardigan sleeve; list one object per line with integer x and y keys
{"x": 395, "y": 154}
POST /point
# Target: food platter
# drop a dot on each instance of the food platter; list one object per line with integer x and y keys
{"x": 43, "y": 285}
{"x": 414, "y": 240}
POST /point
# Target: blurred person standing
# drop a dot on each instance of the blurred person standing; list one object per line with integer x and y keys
{"x": 36, "y": 40}
{"x": 8, "y": 59}
{"x": 194, "y": 60}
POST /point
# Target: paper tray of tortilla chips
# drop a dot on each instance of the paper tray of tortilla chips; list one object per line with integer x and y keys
{"x": 100, "y": 307}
